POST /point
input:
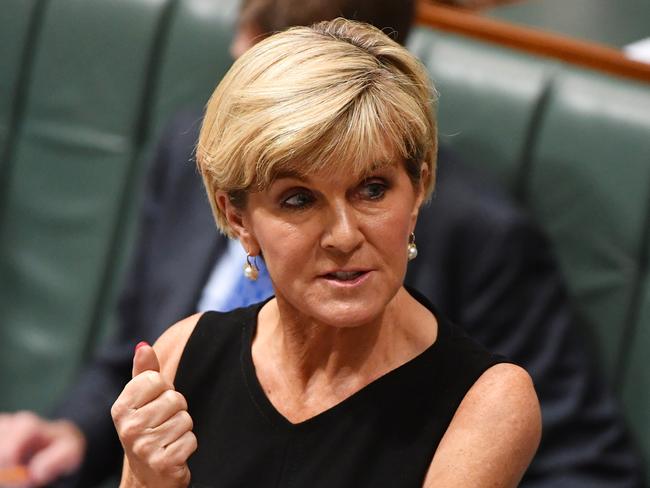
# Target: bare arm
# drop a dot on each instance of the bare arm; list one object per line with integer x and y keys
{"x": 493, "y": 435}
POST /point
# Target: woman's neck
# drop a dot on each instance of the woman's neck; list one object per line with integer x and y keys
{"x": 300, "y": 358}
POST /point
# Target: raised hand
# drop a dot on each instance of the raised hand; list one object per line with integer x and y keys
{"x": 154, "y": 427}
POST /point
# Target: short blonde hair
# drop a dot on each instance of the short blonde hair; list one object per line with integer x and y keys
{"x": 337, "y": 96}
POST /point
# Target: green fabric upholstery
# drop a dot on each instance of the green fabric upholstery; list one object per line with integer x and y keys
{"x": 99, "y": 79}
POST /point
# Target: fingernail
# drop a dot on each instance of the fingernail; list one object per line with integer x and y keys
{"x": 140, "y": 344}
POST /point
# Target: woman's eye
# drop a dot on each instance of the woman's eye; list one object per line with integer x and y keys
{"x": 373, "y": 190}
{"x": 298, "y": 200}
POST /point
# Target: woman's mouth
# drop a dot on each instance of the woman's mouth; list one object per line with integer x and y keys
{"x": 344, "y": 275}
{"x": 346, "y": 278}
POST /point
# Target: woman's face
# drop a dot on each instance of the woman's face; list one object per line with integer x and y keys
{"x": 335, "y": 245}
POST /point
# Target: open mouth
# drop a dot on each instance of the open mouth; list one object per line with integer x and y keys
{"x": 345, "y": 276}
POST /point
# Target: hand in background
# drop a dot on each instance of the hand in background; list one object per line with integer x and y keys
{"x": 154, "y": 427}
{"x": 47, "y": 449}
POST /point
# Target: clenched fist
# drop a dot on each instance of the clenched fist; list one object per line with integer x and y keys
{"x": 154, "y": 427}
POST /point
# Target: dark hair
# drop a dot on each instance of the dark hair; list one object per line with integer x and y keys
{"x": 394, "y": 17}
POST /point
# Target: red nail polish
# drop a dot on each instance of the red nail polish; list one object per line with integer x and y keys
{"x": 140, "y": 344}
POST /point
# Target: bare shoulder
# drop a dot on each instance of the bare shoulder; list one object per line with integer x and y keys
{"x": 494, "y": 433}
{"x": 170, "y": 345}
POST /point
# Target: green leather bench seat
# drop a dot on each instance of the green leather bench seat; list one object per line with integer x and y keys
{"x": 74, "y": 153}
{"x": 17, "y": 20}
{"x": 101, "y": 78}
{"x": 589, "y": 188}
{"x": 202, "y": 28}
{"x": 501, "y": 89}
{"x": 574, "y": 147}
{"x": 195, "y": 56}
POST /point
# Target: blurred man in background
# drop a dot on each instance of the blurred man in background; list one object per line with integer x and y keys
{"x": 481, "y": 261}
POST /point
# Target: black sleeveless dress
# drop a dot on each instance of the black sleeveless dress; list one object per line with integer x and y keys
{"x": 384, "y": 435}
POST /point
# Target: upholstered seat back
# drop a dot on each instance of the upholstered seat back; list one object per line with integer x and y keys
{"x": 97, "y": 81}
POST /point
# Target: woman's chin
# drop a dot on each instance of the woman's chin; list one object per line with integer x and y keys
{"x": 347, "y": 313}
{"x": 342, "y": 306}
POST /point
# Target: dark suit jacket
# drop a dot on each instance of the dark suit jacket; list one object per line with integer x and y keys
{"x": 480, "y": 261}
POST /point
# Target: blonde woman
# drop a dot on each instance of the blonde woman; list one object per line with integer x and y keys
{"x": 317, "y": 150}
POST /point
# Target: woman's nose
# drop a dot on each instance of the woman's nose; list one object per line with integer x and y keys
{"x": 342, "y": 231}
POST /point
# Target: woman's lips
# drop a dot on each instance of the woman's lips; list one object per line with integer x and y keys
{"x": 346, "y": 278}
{"x": 345, "y": 275}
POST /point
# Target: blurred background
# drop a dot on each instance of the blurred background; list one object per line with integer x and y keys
{"x": 550, "y": 96}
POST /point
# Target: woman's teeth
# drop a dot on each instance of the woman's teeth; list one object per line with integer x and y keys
{"x": 346, "y": 275}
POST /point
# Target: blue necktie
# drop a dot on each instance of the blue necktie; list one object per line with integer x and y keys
{"x": 246, "y": 292}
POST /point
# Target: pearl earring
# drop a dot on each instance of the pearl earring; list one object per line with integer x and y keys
{"x": 250, "y": 268}
{"x": 411, "y": 249}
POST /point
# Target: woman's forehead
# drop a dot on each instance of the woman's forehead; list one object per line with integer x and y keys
{"x": 336, "y": 168}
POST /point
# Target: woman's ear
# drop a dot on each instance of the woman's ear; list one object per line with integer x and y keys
{"x": 239, "y": 222}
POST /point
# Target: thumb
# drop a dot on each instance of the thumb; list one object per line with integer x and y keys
{"x": 145, "y": 359}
